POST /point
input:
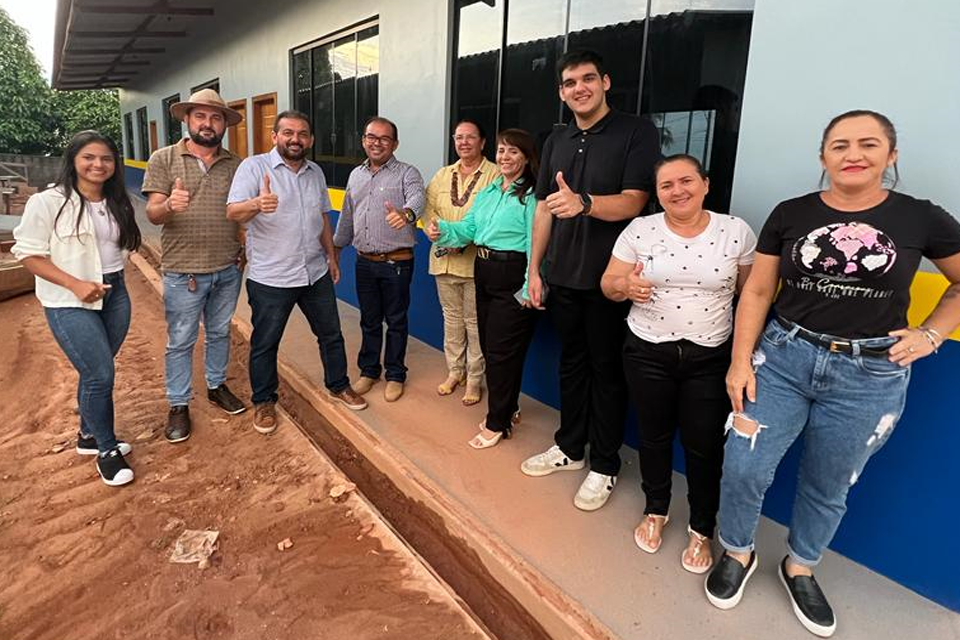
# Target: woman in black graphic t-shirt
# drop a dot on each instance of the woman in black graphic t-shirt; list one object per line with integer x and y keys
{"x": 834, "y": 363}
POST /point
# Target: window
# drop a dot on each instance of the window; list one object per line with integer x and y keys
{"x": 209, "y": 84}
{"x": 689, "y": 58}
{"x": 129, "y": 154}
{"x": 335, "y": 82}
{"x": 173, "y": 130}
{"x": 143, "y": 137}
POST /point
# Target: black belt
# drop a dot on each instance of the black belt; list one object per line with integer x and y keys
{"x": 832, "y": 343}
{"x": 486, "y": 253}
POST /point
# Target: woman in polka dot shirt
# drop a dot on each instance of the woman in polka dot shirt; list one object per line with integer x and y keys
{"x": 681, "y": 269}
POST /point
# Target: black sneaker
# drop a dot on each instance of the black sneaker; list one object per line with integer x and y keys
{"x": 224, "y": 398}
{"x": 87, "y": 446}
{"x": 113, "y": 469}
{"x": 809, "y": 603}
{"x": 725, "y": 584}
{"x": 178, "y": 424}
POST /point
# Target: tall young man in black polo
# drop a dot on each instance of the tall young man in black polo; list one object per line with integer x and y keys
{"x": 596, "y": 174}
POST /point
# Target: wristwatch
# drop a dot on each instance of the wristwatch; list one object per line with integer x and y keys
{"x": 587, "y": 203}
{"x": 410, "y": 216}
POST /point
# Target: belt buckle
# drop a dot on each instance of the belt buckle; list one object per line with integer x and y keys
{"x": 483, "y": 252}
{"x": 837, "y": 346}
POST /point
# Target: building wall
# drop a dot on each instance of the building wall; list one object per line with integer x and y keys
{"x": 808, "y": 62}
{"x": 252, "y": 58}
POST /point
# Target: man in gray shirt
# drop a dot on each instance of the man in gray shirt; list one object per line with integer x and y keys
{"x": 282, "y": 199}
{"x": 384, "y": 198}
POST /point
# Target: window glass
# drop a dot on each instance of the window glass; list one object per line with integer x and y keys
{"x": 535, "y": 35}
{"x": 477, "y": 68}
{"x": 335, "y": 83}
{"x": 614, "y": 29}
{"x": 693, "y": 83}
{"x": 209, "y": 84}
{"x": 172, "y": 126}
{"x": 128, "y": 130}
{"x": 142, "y": 133}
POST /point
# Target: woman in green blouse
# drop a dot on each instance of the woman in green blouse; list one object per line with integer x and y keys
{"x": 500, "y": 224}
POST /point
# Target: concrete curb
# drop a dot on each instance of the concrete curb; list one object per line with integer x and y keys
{"x": 512, "y": 598}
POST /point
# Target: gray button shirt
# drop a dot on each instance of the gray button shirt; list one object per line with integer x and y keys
{"x": 283, "y": 247}
{"x": 363, "y": 221}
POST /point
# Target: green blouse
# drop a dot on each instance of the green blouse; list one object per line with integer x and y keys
{"x": 497, "y": 220}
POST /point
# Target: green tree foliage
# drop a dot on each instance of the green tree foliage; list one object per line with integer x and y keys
{"x": 35, "y": 119}
{"x": 25, "y": 115}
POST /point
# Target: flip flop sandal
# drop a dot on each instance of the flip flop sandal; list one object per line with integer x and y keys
{"x": 649, "y": 521}
{"x": 449, "y": 385}
{"x": 702, "y": 541}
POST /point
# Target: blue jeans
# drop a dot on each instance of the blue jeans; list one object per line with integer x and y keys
{"x": 91, "y": 339}
{"x": 213, "y": 301}
{"x": 845, "y": 406}
{"x": 383, "y": 290}
{"x": 271, "y": 307}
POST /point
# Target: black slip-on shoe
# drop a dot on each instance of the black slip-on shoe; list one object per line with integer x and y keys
{"x": 725, "y": 584}
{"x": 224, "y": 398}
{"x": 87, "y": 446}
{"x": 178, "y": 424}
{"x": 113, "y": 469}
{"x": 809, "y": 604}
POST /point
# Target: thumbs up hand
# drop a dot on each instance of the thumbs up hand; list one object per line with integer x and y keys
{"x": 638, "y": 288}
{"x": 395, "y": 217}
{"x": 179, "y": 198}
{"x": 564, "y": 203}
{"x": 267, "y": 201}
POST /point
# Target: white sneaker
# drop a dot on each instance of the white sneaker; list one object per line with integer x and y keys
{"x": 553, "y": 459}
{"x": 594, "y": 491}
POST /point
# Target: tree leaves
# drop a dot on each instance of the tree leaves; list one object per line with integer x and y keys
{"x": 35, "y": 119}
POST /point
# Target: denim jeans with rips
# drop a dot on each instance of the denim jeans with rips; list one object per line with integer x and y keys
{"x": 844, "y": 405}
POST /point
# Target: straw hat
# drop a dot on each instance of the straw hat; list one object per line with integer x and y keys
{"x": 205, "y": 98}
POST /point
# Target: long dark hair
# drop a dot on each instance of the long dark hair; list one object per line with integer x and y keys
{"x": 527, "y": 183}
{"x": 114, "y": 189}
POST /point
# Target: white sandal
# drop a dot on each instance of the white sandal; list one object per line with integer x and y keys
{"x": 697, "y": 549}
{"x": 649, "y": 521}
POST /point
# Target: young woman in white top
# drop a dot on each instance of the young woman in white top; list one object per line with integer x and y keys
{"x": 681, "y": 268}
{"x": 75, "y": 238}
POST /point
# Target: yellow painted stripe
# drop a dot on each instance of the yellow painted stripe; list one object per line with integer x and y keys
{"x": 925, "y": 292}
{"x": 136, "y": 164}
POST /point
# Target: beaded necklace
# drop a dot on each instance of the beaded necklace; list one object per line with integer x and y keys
{"x": 455, "y": 199}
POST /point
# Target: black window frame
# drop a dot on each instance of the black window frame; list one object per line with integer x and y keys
{"x": 143, "y": 133}
{"x": 173, "y": 131}
{"x": 129, "y": 149}
{"x": 209, "y": 84}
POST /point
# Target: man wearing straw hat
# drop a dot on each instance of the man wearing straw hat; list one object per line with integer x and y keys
{"x": 186, "y": 185}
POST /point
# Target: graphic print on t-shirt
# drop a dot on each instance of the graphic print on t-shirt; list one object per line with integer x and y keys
{"x": 845, "y": 251}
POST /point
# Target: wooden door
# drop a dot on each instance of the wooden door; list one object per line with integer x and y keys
{"x": 264, "y": 113}
{"x": 239, "y": 133}
{"x": 153, "y": 136}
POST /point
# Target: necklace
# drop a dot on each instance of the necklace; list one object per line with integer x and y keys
{"x": 455, "y": 199}
{"x": 98, "y": 207}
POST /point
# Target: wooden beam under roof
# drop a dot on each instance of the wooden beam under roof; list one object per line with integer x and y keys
{"x": 128, "y": 34}
{"x": 71, "y": 64}
{"x": 107, "y": 52}
{"x": 158, "y": 8}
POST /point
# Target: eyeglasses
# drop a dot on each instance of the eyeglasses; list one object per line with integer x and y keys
{"x": 465, "y": 138}
{"x": 369, "y": 138}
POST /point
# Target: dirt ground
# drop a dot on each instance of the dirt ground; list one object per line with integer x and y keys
{"x": 83, "y": 560}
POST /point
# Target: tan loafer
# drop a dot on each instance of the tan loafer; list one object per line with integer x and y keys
{"x": 393, "y": 391}
{"x": 364, "y": 384}
{"x": 265, "y": 418}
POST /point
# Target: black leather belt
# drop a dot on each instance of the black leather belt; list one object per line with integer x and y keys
{"x": 832, "y": 343}
{"x": 486, "y": 253}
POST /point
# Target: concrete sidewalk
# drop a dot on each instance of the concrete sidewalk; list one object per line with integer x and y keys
{"x": 591, "y": 556}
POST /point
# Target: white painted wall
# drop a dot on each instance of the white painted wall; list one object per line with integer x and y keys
{"x": 248, "y": 45}
{"x": 814, "y": 59}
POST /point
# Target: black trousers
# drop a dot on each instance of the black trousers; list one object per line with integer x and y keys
{"x": 506, "y": 329}
{"x": 593, "y": 393}
{"x": 680, "y": 385}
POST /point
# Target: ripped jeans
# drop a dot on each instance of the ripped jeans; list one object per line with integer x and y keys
{"x": 844, "y": 406}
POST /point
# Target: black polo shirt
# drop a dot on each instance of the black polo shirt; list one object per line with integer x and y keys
{"x": 615, "y": 154}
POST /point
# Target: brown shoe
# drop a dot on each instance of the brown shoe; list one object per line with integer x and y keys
{"x": 393, "y": 391}
{"x": 364, "y": 384}
{"x": 265, "y": 417}
{"x": 350, "y": 399}
{"x": 178, "y": 424}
